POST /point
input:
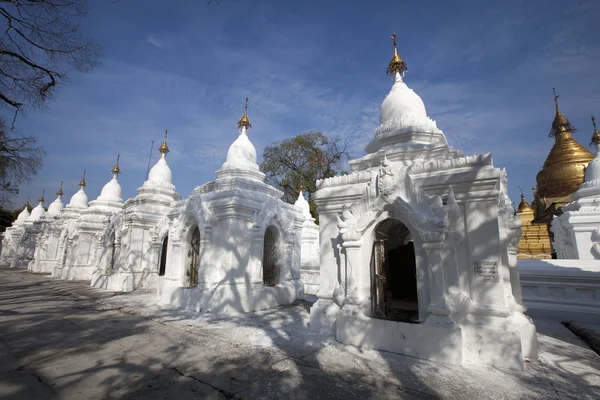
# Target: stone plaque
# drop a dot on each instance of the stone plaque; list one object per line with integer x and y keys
{"x": 486, "y": 271}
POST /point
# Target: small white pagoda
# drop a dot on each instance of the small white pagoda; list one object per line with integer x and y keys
{"x": 136, "y": 262}
{"x": 233, "y": 245}
{"x": 418, "y": 250}
{"x": 88, "y": 242}
{"x": 11, "y": 238}
{"x": 50, "y": 227}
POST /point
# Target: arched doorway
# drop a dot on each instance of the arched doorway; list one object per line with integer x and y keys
{"x": 194, "y": 258}
{"x": 394, "y": 273}
{"x": 111, "y": 248}
{"x": 271, "y": 257}
{"x": 163, "y": 257}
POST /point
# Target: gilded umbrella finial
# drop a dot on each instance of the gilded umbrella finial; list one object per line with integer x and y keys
{"x": 42, "y": 198}
{"x": 116, "y": 170}
{"x": 82, "y": 181}
{"x": 164, "y": 149}
{"x": 560, "y": 124}
{"x": 26, "y": 205}
{"x": 397, "y": 64}
{"x": 596, "y": 135}
{"x": 245, "y": 121}
{"x": 60, "y": 191}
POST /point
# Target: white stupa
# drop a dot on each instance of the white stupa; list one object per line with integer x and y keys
{"x": 38, "y": 211}
{"x": 23, "y": 215}
{"x": 135, "y": 266}
{"x": 309, "y": 259}
{"x": 241, "y": 156}
{"x": 577, "y": 230}
{"x": 80, "y": 199}
{"x": 57, "y": 205}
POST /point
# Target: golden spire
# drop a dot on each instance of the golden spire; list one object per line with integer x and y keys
{"x": 560, "y": 124}
{"x": 60, "y": 192}
{"x": 523, "y": 205}
{"x": 397, "y": 64}
{"x": 42, "y": 198}
{"x": 26, "y": 205}
{"x": 82, "y": 181}
{"x": 164, "y": 149}
{"x": 596, "y": 135}
{"x": 244, "y": 121}
{"x": 116, "y": 170}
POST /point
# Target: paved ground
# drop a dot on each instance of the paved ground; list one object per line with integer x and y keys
{"x": 65, "y": 340}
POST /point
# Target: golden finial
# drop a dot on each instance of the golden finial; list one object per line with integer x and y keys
{"x": 164, "y": 149}
{"x": 60, "y": 192}
{"x": 42, "y": 198}
{"x": 523, "y": 205}
{"x": 116, "y": 170}
{"x": 596, "y": 135}
{"x": 27, "y": 205}
{"x": 560, "y": 124}
{"x": 244, "y": 121}
{"x": 302, "y": 186}
{"x": 82, "y": 181}
{"x": 397, "y": 64}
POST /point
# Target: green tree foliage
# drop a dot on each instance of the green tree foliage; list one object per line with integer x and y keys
{"x": 300, "y": 161}
{"x": 7, "y": 217}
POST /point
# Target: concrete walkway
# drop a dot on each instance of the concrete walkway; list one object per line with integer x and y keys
{"x": 65, "y": 340}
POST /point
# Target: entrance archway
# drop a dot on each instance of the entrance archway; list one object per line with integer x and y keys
{"x": 194, "y": 258}
{"x": 112, "y": 249}
{"x": 271, "y": 257}
{"x": 163, "y": 256}
{"x": 394, "y": 273}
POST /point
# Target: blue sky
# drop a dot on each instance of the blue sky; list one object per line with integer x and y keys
{"x": 485, "y": 71}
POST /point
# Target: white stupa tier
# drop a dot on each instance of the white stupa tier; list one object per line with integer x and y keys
{"x": 304, "y": 206}
{"x": 23, "y": 215}
{"x": 159, "y": 185}
{"x": 405, "y": 132}
{"x": 79, "y": 199}
{"x": 56, "y": 206}
{"x": 577, "y": 230}
{"x": 37, "y": 212}
{"x": 110, "y": 197}
{"x": 241, "y": 159}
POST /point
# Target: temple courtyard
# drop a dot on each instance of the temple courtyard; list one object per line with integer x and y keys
{"x": 67, "y": 340}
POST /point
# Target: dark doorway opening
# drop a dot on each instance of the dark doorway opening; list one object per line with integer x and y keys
{"x": 394, "y": 273}
{"x": 271, "y": 257}
{"x": 194, "y": 258}
{"x": 163, "y": 256}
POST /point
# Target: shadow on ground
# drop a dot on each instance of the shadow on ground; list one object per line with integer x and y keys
{"x": 63, "y": 339}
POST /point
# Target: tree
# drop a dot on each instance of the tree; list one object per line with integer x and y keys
{"x": 20, "y": 158}
{"x": 41, "y": 44}
{"x": 300, "y": 161}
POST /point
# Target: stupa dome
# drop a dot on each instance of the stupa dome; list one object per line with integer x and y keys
{"x": 242, "y": 153}
{"x": 79, "y": 199}
{"x": 303, "y": 205}
{"x": 160, "y": 172}
{"x": 37, "y": 212}
{"x": 111, "y": 191}
{"x": 563, "y": 170}
{"x": 55, "y": 207}
{"x": 401, "y": 102}
{"x": 23, "y": 215}
{"x": 524, "y": 205}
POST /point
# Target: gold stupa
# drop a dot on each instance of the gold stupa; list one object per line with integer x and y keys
{"x": 535, "y": 240}
{"x": 563, "y": 170}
